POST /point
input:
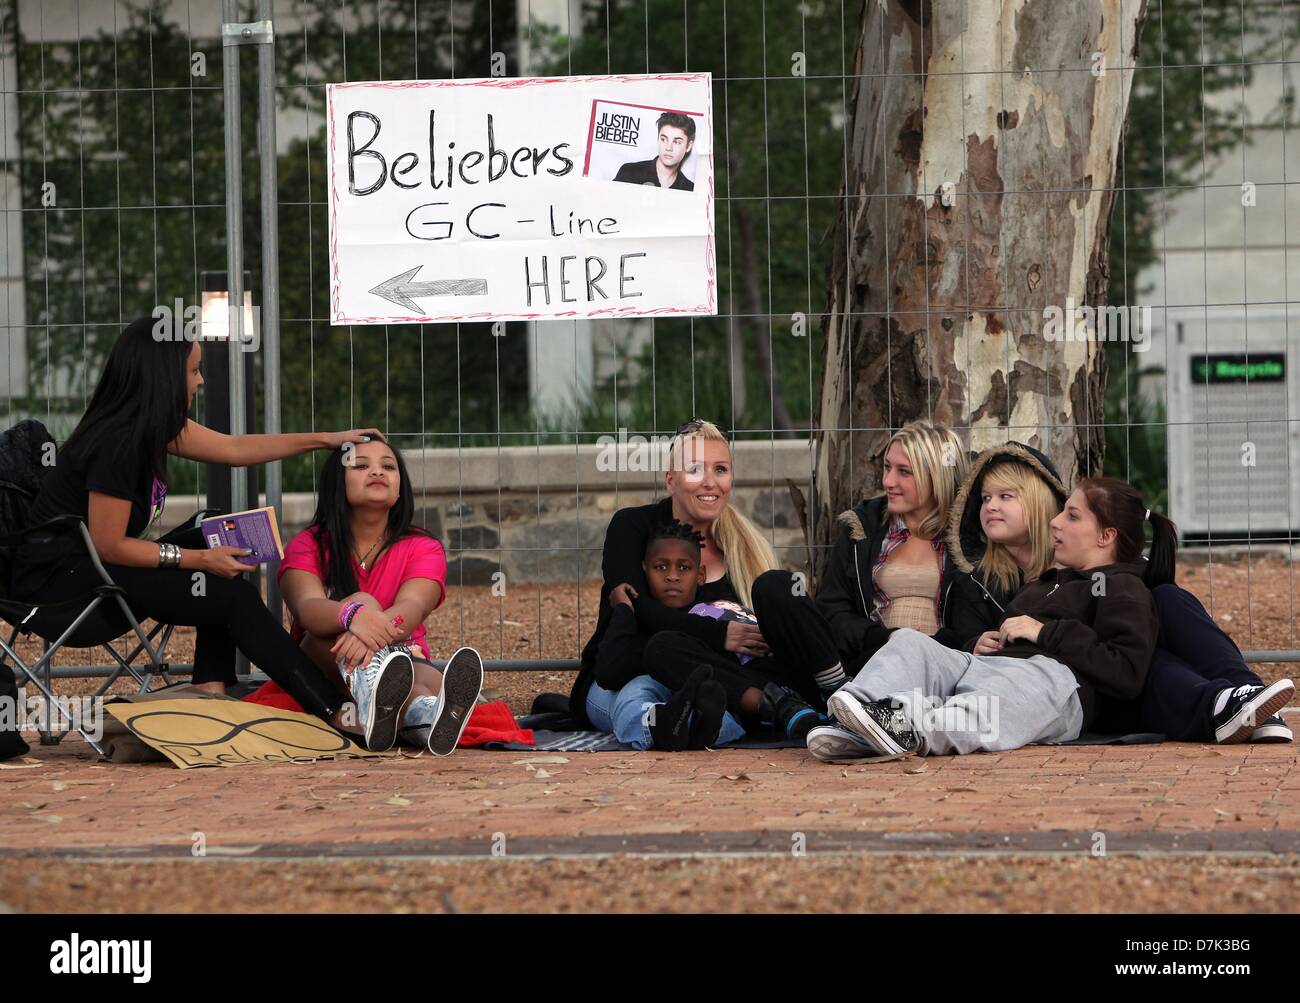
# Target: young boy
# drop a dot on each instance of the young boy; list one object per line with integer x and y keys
{"x": 753, "y": 689}
{"x": 690, "y": 716}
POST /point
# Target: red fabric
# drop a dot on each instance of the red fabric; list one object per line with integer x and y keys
{"x": 493, "y": 722}
{"x": 488, "y": 722}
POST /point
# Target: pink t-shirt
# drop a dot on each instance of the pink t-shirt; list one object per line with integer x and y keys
{"x": 415, "y": 556}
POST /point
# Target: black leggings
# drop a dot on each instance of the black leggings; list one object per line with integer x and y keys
{"x": 228, "y": 614}
{"x": 672, "y": 655}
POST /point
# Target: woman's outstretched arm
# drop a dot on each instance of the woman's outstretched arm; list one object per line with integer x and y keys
{"x": 198, "y": 442}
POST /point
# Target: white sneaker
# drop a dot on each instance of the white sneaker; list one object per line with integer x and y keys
{"x": 879, "y": 723}
{"x": 829, "y": 742}
{"x": 462, "y": 681}
{"x": 379, "y": 689}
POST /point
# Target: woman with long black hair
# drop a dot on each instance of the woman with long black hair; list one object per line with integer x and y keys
{"x": 112, "y": 473}
{"x": 360, "y": 581}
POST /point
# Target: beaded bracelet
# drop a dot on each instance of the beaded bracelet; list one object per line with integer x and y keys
{"x": 347, "y": 611}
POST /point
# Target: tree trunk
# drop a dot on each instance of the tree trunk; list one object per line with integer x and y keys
{"x": 982, "y": 144}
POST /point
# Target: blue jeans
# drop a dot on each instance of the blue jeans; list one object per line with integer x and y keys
{"x": 623, "y": 714}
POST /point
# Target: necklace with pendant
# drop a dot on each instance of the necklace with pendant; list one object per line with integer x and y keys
{"x": 362, "y": 561}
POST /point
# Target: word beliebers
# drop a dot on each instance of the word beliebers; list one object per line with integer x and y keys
{"x": 472, "y": 168}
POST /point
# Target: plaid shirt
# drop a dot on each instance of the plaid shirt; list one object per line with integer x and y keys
{"x": 895, "y": 537}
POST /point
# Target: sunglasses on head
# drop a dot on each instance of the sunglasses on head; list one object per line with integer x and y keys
{"x": 694, "y": 425}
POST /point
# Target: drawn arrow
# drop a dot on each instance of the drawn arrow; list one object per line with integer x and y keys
{"x": 402, "y": 289}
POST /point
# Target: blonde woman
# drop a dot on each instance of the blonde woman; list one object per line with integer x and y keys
{"x": 734, "y": 555}
{"x": 890, "y": 567}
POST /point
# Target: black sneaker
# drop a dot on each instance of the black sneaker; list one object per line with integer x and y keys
{"x": 787, "y": 713}
{"x": 1247, "y": 708}
{"x": 671, "y": 727}
{"x": 710, "y": 705}
{"x": 462, "y": 682}
{"x": 1272, "y": 730}
{"x": 884, "y": 726}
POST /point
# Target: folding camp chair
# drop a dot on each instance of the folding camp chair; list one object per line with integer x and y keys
{"x": 91, "y": 620}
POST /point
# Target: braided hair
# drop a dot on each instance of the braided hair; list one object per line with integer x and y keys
{"x": 675, "y": 530}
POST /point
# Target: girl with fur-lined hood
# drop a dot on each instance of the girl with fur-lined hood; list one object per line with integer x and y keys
{"x": 986, "y": 573}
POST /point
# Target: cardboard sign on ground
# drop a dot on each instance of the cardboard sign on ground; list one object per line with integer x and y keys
{"x": 193, "y": 732}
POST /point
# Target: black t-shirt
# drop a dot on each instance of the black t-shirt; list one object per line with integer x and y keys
{"x": 115, "y": 469}
{"x": 644, "y": 172}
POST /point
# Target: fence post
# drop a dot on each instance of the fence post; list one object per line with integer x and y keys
{"x": 269, "y": 162}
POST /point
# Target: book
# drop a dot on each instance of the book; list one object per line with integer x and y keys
{"x": 724, "y": 609}
{"x": 255, "y": 529}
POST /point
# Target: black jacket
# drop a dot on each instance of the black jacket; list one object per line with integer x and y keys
{"x": 845, "y": 589}
{"x": 625, "y": 542}
{"x": 978, "y": 604}
{"x": 1101, "y": 623}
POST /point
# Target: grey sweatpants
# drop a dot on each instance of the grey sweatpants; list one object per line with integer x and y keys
{"x": 959, "y": 702}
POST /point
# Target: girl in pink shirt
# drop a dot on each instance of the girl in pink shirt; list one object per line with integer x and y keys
{"x": 359, "y": 607}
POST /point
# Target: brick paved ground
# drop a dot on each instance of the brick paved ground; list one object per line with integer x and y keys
{"x": 1205, "y": 806}
{"x": 1187, "y": 827}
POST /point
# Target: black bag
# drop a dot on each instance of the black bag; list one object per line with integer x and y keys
{"x": 22, "y": 452}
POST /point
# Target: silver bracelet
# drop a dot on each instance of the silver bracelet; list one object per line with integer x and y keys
{"x": 169, "y": 555}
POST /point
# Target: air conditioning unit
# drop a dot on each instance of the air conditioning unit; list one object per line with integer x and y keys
{"x": 1234, "y": 425}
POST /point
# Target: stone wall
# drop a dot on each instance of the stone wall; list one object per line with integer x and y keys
{"x": 539, "y": 514}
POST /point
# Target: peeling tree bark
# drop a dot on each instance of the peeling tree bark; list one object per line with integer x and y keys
{"x": 936, "y": 302}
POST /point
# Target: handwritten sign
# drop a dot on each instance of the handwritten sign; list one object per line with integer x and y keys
{"x": 521, "y": 198}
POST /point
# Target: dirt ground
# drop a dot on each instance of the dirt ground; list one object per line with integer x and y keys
{"x": 848, "y": 884}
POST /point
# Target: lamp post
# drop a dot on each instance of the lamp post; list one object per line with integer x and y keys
{"x": 214, "y": 300}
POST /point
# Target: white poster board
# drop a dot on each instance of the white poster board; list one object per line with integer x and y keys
{"x": 521, "y": 198}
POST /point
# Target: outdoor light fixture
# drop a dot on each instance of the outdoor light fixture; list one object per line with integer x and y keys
{"x": 214, "y": 305}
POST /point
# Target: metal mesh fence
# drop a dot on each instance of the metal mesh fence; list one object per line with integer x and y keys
{"x": 114, "y": 204}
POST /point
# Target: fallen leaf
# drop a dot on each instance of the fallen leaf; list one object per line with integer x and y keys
{"x": 49, "y": 818}
{"x": 314, "y": 807}
{"x": 232, "y": 851}
{"x": 961, "y": 790}
{"x": 1198, "y": 753}
{"x": 543, "y": 774}
{"x": 539, "y": 759}
{"x": 314, "y": 796}
{"x": 600, "y": 799}
{"x": 59, "y": 785}
{"x": 919, "y": 768}
{"x": 737, "y": 777}
{"x": 398, "y": 800}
